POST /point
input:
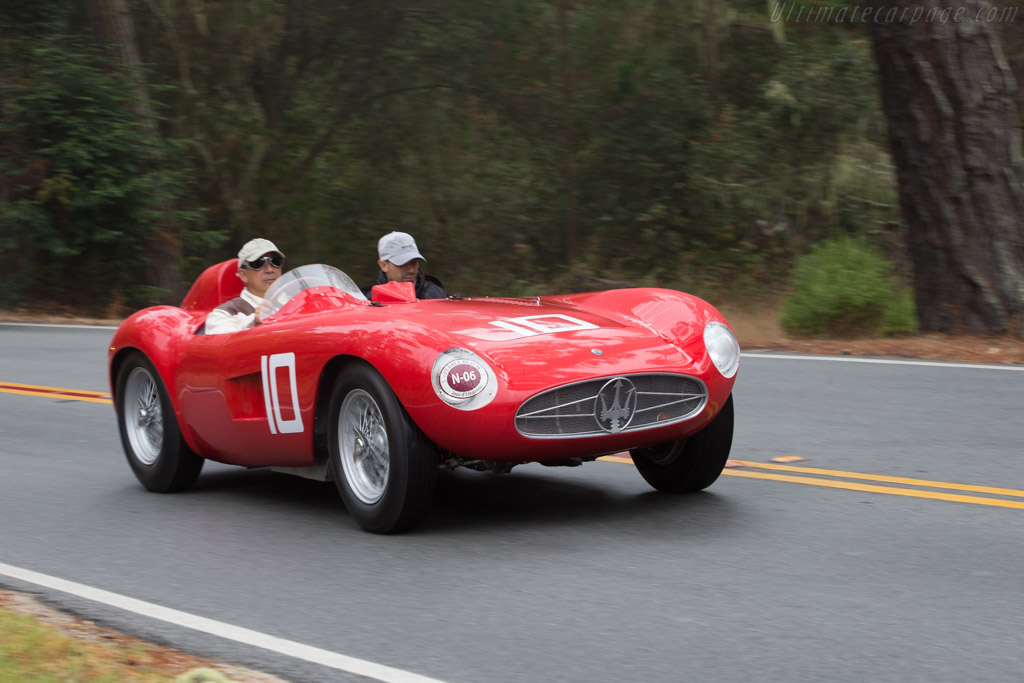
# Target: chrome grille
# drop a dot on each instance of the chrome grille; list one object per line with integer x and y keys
{"x": 609, "y": 405}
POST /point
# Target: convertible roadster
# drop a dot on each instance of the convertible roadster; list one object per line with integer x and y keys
{"x": 380, "y": 394}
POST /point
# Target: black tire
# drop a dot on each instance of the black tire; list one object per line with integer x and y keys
{"x": 152, "y": 441}
{"x": 690, "y": 464}
{"x": 384, "y": 466}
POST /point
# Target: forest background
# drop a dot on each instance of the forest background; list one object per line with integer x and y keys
{"x": 530, "y": 146}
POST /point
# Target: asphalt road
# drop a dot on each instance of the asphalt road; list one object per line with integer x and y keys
{"x": 581, "y": 574}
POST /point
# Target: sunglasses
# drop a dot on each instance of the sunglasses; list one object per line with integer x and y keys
{"x": 277, "y": 261}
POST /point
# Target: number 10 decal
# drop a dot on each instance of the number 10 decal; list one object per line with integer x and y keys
{"x": 532, "y": 325}
{"x": 269, "y": 366}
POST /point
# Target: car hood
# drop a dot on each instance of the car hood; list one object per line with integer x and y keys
{"x": 535, "y": 343}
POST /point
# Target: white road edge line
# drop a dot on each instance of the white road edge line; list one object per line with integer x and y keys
{"x": 220, "y": 629}
{"x": 882, "y": 361}
{"x": 68, "y": 325}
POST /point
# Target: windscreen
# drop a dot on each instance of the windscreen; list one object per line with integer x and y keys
{"x": 306, "y": 277}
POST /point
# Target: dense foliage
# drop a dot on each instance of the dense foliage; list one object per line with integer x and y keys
{"x": 80, "y": 182}
{"x": 527, "y": 144}
{"x": 845, "y": 288}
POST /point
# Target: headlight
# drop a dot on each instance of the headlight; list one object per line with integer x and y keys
{"x": 722, "y": 347}
{"x": 463, "y": 380}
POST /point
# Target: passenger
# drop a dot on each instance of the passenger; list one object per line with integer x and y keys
{"x": 400, "y": 261}
{"x": 259, "y": 265}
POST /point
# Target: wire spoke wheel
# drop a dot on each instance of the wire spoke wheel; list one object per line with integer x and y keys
{"x": 384, "y": 467}
{"x": 144, "y": 419}
{"x": 363, "y": 438}
{"x": 156, "y": 451}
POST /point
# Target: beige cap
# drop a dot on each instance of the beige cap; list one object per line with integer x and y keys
{"x": 253, "y": 249}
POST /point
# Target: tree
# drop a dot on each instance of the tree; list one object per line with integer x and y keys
{"x": 112, "y": 25}
{"x": 77, "y": 180}
{"x": 950, "y": 99}
{"x": 530, "y": 145}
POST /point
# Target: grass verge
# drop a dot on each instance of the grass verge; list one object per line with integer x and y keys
{"x": 31, "y": 652}
{"x": 40, "y": 644}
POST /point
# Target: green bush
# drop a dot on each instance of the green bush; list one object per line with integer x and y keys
{"x": 845, "y": 288}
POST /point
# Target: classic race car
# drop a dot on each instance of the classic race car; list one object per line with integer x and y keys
{"x": 379, "y": 395}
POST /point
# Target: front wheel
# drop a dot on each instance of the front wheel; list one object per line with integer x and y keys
{"x": 690, "y": 464}
{"x": 384, "y": 466}
{"x": 156, "y": 451}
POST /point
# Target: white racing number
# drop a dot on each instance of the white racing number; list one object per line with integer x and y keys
{"x": 531, "y": 325}
{"x": 269, "y": 366}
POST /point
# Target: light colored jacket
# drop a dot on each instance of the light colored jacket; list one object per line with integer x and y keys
{"x": 232, "y": 316}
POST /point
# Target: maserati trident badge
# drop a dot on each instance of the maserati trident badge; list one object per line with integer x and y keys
{"x": 615, "y": 405}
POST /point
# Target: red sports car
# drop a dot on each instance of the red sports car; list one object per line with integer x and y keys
{"x": 379, "y": 395}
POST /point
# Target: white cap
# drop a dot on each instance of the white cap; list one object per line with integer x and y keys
{"x": 253, "y": 249}
{"x": 399, "y": 248}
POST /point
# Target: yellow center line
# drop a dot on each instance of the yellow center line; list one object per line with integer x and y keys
{"x": 868, "y": 488}
{"x": 871, "y": 488}
{"x": 54, "y": 392}
{"x": 881, "y": 477}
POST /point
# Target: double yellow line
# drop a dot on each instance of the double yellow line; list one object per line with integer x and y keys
{"x": 54, "y": 392}
{"x": 839, "y": 479}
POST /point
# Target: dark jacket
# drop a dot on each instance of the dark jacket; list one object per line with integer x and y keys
{"x": 427, "y": 286}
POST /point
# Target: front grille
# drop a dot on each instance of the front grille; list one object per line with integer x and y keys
{"x": 611, "y": 405}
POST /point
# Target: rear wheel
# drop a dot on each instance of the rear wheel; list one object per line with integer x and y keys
{"x": 384, "y": 466}
{"x": 152, "y": 441}
{"x": 690, "y": 464}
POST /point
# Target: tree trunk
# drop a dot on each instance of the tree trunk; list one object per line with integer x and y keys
{"x": 709, "y": 27}
{"x": 112, "y": 27}
{"x": 568, "y": 134}
{"x": 950, "y": 100}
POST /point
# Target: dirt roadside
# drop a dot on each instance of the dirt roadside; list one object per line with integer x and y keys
{"x": 963, "y": 349}
{"x": 760, "y": 330}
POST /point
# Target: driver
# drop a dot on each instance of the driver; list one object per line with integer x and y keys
{"x": 259, "y": 265}
{"x": 400, "y": 261}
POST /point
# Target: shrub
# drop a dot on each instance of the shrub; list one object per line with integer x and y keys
{"x": 845, "y": 288}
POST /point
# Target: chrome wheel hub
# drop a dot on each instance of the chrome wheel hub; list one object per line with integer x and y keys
{"x": 365, "y": 452}
{"x": 143, "y": 413}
